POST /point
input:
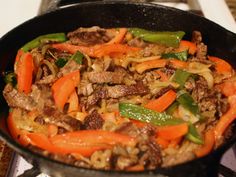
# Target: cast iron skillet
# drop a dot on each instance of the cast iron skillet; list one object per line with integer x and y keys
{"x": 221, "y": 42}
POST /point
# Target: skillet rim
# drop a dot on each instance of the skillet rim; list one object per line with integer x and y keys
{"x": 25, "y": 151}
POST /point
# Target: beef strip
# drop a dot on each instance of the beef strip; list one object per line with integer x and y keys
{"x": 89, "y": 36}
{"x": 16, "y": 99}
{"x": 54, "y": 116}
{"x": 93, "y": 121}
{"x": 196, "y": 37}
{"x": 118, "y": 91}
{"x": 201, "y": 53}
{"x": 115, "y": 77}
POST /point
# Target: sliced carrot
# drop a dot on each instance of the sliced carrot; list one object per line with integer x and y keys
{"x": 25, "y": 68}
{"x": 162, "y": 142}
{"x": 164, "y": 76}
{"x": 179, "y": 64}
{"x": 222, "y": 66}
{"x": 138, "y": 123}
{"x": 64, "y": 87}
{"x": 119, "y": 37}
{"x": 73, "y": 103}
{"x": 209, "y": 141}
{"x": 52, "y": 130}
{"x": 187, "y": 45}
{"x": 135, "y": 168}
{"x": 160, "y": 104}
{"x": 171, "y": 132}
{"x": 92, "y": 137}
{"x": 74, "y": 48}
{"x": 18, "y": 55}
{"x": 43, "y": 142}
{"x": 175, "y": 142}
{"x": 19, "y": 135}
{"x": 114, "y": 49}
{"x": 228, "y": 88}
{"x": 159, "y": 63}
{"x": 227, "y": 118}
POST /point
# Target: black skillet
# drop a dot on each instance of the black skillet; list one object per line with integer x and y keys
{"x": 222, "y": 43}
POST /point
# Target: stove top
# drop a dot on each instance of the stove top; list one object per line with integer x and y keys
{"x": 19, "y": 166}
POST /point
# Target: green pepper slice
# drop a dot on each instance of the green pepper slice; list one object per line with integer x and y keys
{"x": 185, "y": 99}
{"x": 183, "y": 56}
{"x": 146, "y": 115}
{"x": 54, "y": 37}
{"x": 78, "y": 57}
{"x": 168, "y": 38}
{"x": 181, "y": 77}
{"x": 60, "y": 62}
{"x": 193, "y": 135}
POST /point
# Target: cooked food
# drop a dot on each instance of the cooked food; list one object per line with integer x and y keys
{"x": 120, "y": 98}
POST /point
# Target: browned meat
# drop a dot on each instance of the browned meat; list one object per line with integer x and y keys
{"x": 93, "y": 121}
{"x": 196, "y": 37}
{"x": 137, "y": 43}
{"x": 18, "y": 100}
{"x": 99, "y": 93}
{"x": 88, "y": 36}
{"x": 151, "y": 154}
{"x": 53, "y": 116}
{"x": 163, "y": 91}
{"x": 118, "y": 91}
{"x": 201, "y": 53}
{"x": 115, "y": 77}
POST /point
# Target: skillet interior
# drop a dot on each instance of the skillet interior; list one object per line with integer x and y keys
{"x": 221, "y": 42}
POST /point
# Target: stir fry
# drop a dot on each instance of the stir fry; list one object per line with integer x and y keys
{"x": 120, "y": 98}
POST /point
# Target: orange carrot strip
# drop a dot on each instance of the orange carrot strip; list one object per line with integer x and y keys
{"x": 42, "y": 141}
{"x": 135, "y": 168}
{"x": 162, "y": 142}
{"x": 163, "y": 75}
{"x": 178, "y": 64}
{"x": 138, "y": 123}
{"x": 119, "y": 37}
{"x": 163, "y": 102}
{"x": 159, "y": 63}
{"x": 209, "y": 141}
{"x": 95, "y": 137}
{"x": 171, "y": 132}
{"x": 187, "y": 45}
{"x": 18, "y": 55}
{"x": 19, "y": 135}
{"x": 227, "y": 118}
{"x": 114, "y": 49}
{"x": 64, "y": 87}
{"x": 74, "y": 48}
{"x": 222, "y": 66}
{"x": 175, "y": 142}
{"x": 25, "y": 68}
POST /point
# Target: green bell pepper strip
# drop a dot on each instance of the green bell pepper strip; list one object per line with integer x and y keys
{"x": 170, "y": 110}
{"x": 183, "y": 56}
{"x": 60, "y": 62}
{"x": 54, "y": 37}
{"x": 180, "y": 77}
{"x": 168, "y": 38}
{"x": 185, "y": 99}
{"x": 10, "y": 78}
{"x": 78, "y": 57}
{"x": 140, "y": 113}
{"x": 193, "y": 135}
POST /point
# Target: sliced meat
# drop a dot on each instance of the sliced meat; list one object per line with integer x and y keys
{"x": 201, "y": 53}
{"x": 163, "y": 91}
{"x": 115, "y": 77}
{"x": 99, "y": 93}
{"x": 118, "y": 91}
{"x": 54, "y": 116}
{"x": 151, "y": 156}
{"x": 93, "y": 121}
{"x": 18, "y": 100}
{"x": 89, "y": 36}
